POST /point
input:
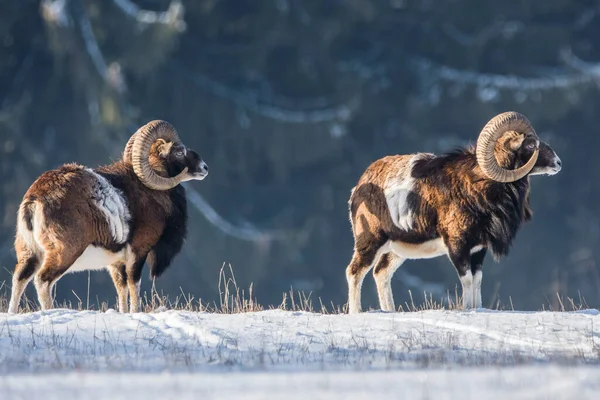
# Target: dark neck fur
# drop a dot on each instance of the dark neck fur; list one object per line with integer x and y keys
{"x": 497, "y": 209}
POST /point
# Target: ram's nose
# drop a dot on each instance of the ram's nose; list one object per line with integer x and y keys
{"x": 204, "y": 167}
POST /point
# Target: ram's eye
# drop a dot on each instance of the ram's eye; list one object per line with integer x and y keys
{"x": 531, "y": 146}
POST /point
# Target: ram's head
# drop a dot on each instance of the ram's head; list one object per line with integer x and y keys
{"x": 508, "y": 149}
{"x": 160, "y": 159}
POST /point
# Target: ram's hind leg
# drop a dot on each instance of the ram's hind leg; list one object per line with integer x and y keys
{"x": 383, "y": 272}
{"x": 118, "y": 274}
{"x": 355, "y": 275}
{"x": 53, "y": 268}
{"x": 28, "y": 264}
{"x": 45, "y": 279}
{"x": 360, "y": 265}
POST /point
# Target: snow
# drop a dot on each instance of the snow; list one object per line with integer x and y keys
{"x": 269, "y": 354}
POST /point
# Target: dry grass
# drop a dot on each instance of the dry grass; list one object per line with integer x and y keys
{"x": 234, "y": 300}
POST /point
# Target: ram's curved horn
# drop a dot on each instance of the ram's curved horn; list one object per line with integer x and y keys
{"x": 140, "y": 152}
{"x": 491, "y": 132}
{"x": 129, "y": 147}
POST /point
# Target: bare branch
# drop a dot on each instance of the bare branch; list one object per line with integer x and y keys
{"x": 586, "y": 17}
{"x": 172, "y": 17}
{"x": 91, "y": 44}
{"x": 342, "y": 112}
{"x": 587, "y": 68}
{"x": 506, "y": 28}
{"x": 12, "y": 115}
{"x": 248, "y": 233}
{"x": 513, "y": 82}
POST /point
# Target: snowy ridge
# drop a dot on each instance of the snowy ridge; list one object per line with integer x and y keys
{"x": 387, "y": 347}
{"x": 182, "y": 340}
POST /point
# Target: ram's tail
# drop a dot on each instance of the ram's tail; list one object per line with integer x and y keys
{"x": 27, "y": 212}
{"x": 28, "y": 218}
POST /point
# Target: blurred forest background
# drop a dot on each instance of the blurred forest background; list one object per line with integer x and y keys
{"x": 288, "y": 101}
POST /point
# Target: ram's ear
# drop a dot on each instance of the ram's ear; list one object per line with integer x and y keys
{"x": 516, "y": 142}
{"x": 163, "y": 147}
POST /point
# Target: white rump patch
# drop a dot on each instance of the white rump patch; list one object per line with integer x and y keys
{"x": 396, "y": 195}
{"x": 111, "y": 202}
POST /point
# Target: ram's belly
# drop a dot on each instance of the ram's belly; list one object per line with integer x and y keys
{"x": 429, "y": 249}
{"x": 94, "y": 258}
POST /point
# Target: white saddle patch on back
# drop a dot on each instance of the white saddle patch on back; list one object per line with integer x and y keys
{"x": 111, "y": 202}
{"x": 396, "y": 195}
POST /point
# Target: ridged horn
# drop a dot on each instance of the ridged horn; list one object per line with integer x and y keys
{"x": 128, "y": 148}
{"x": 140, "y": 153}
{"x": 486, "y": 142}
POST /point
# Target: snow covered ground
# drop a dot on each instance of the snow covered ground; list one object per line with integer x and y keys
{"x": 270, "y": 354}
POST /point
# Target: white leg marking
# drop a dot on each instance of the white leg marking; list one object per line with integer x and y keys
{"x": 477, "y": 288}
{"x": 467, "y": 290}
{"x": 44, "y": 290}
{"x": 134, "y": 294}
{"x": 383, "y": 280}
{"x": 355, "y": 282}
{"x": 18, "y": 287}
{"x": 111, "y": 202}
{"x": 120, "y": 284}
{"x": 123, "y": 295}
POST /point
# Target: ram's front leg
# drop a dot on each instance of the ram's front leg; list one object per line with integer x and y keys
{"x": 119, "y": 276}
{"x": 134, "y": 277}
{"x": 477, "y": 271}
{"x": 460, "y": 256}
